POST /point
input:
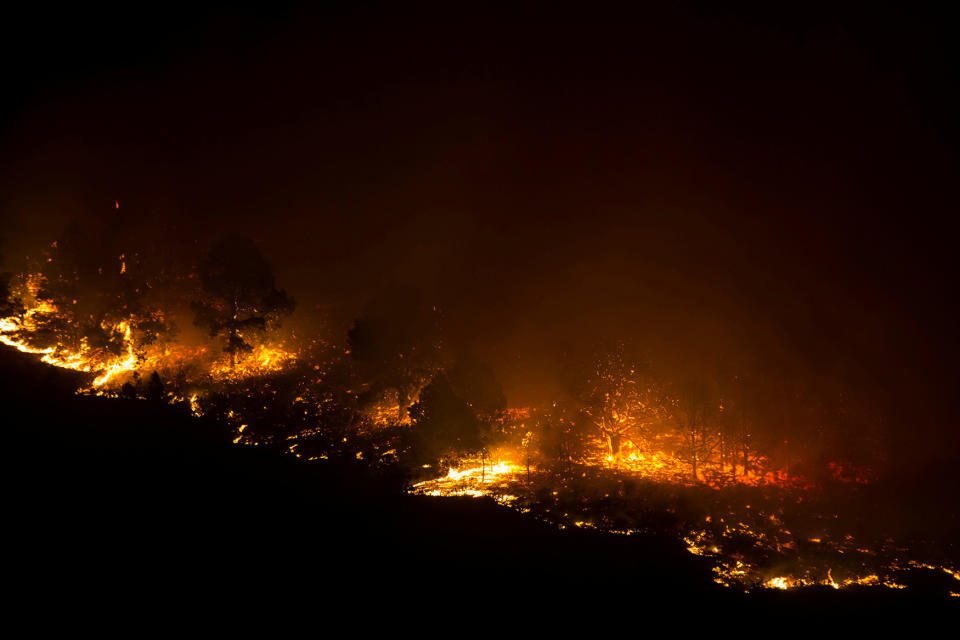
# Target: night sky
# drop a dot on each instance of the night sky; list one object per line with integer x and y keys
{"x": 769, "y": 187}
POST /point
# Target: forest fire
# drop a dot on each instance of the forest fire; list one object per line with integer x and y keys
{"x": 654, "y": 301}
{"x": 486, "y": 479}
{"x": 16, "y": 332}
{"x": 658, "y": 460}
{"x": 746, "y": 542}
{"x": 112, "y": 369}
{"x": 262, "y": 360}
{"x": 627, "y": 448}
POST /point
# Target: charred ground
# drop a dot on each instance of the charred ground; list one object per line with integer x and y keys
{"x": 129, "y": 503}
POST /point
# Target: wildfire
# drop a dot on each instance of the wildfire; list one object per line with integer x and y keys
{"x": 262, "y": 360}
{"x": 475, "y": 480}
{"x": 112, "y": 367}
{"x": 16, "y": 330}
{"x": 870, "y": 580}
{"x": 742, "y": 544}
{"x": 748, "y": 543}
{"x": 128, "y": 363}
{"x": 655, "y": 458}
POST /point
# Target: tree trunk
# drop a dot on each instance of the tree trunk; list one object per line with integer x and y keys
{"x": 723, "y": 452}
{"x": 613, "y": 444}
{"x": 693, "y": 453}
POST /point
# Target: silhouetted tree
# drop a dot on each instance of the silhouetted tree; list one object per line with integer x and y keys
{"x": 696, "y": 408}
{"x": 238, "y": 294}
{"x": 444, "y": 424}
{"x": 397, "y": 344}
{"x": 475, "y": 382}
{"x": 9, "y": 304}
{"x": 559, "y": 436}
{"x": 737, "y": 422}
{"x": 155, "y": 388}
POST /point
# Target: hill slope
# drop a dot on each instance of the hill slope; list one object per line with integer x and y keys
{"x": 115, "y": 500}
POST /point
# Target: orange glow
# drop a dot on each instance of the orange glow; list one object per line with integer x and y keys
{"x": 510, "y": 476}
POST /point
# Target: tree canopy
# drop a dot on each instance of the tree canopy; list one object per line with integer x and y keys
{"x": 397, "y": 343}
{"x": 622, "y": 398}
{"x": 444, "y": 424}
{"x": 238, "y": 294}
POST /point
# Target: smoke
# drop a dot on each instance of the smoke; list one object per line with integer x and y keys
{"x": 715, "y": 190}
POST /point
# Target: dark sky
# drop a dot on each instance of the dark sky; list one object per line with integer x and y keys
{"x": 773, "y": 186}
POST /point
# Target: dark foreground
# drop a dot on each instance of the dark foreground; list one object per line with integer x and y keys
{"x": 129, "y": 509}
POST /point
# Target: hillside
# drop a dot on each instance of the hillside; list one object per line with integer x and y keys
{"x": 131, "y": 502}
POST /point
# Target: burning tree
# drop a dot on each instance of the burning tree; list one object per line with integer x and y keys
{"x": 736, "y": 422}
{"x": 696, "y": 408}
{"x": 90, "y": 303}
{"x": 238, "y": 295}
{"x": 622, "y": 399}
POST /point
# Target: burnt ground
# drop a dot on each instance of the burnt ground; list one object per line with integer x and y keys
{"x": 126, "y": 509}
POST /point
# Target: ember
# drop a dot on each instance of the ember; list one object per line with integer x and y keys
{"x": 746, "y": 541}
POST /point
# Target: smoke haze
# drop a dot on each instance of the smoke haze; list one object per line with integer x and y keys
{"x": 720, "y": 191}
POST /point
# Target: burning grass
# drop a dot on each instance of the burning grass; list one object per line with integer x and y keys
{"x": 757, "y": 534}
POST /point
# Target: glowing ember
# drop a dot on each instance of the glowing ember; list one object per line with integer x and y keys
{"x": 744, "y": 534}
{"x": 15, "y": 330}
{"x": 476, "y": 479}
{"x": 740, "y": 544}
{"x": 262, "y": 360}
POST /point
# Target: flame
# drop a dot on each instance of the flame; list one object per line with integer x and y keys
{"x": 653, "y": 457}
{"x": 13, "y": 329}
{"x": 780, "y": 582}
{"x": 261, "y": 360}
{"x": 475, "y": 478}
{"x": 18, "y": 330}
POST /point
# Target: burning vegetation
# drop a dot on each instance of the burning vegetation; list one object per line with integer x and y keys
{"x": 629, "y": 450}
